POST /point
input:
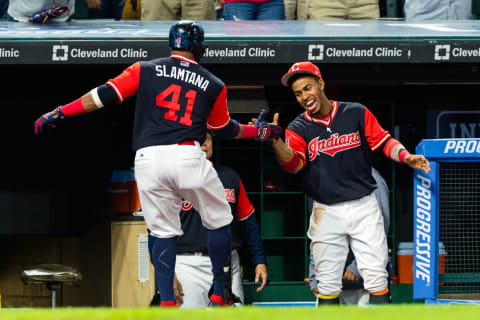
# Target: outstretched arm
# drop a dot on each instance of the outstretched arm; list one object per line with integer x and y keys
{"x": 114, "y": 91}
{"x": 82, "y": 105}
{"x": 397, "y": 152}
{"x": 377, "y": 137}
{"x": 219, "y": 120}
{"x": 259, "y": 130}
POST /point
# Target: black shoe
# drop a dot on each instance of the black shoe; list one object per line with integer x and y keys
{"x": 155, "y": 299}
{"x": 380, "y": 299}
{"x": 334, "y": 301}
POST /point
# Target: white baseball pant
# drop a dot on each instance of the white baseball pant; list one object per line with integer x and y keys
{"x": 167, "y": 173}
{"x": 358, "y": 223}
{"x": 194, "y": 272}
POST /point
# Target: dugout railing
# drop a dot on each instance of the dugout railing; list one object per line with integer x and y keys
{"x": 447, "y": 211}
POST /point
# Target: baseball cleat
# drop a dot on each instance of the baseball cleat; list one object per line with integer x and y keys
{"x": 168, "y": 304}
{"x": 217, "y": 301}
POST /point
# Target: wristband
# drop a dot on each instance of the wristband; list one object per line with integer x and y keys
{"x": 249, "y": 131}
{"x": 73, "y": 108}
{"x": 390, "y": 144}
{"x": 291, "y": 165}
{"x": 402, "y": 154}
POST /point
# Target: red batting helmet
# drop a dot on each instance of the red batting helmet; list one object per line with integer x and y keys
{"x": 305, "y": 67}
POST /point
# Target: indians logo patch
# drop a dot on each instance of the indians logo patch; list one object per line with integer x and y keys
{"x": 230, "y": 194}
{"x": 333, "y": 145}
{"x": 186, "y": 205}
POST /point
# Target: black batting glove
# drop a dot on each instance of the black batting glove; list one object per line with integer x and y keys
{"x": 49, "y": 119}
{"x": 266, "y": 131}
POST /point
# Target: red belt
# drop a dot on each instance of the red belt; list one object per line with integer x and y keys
{"x": 186, "y": 143}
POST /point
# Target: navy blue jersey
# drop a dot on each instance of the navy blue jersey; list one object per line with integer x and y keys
{"x": 336, "y": 151}
{"x": 194, "y": 237}
{"x": 176, "y": 99}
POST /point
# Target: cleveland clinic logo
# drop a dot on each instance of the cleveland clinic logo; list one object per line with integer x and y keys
{"x": 442, "y": 52}
{"x": 60, "y": 53}
{"x": 315, "y": 51}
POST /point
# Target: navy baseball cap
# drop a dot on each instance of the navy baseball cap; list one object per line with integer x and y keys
{"x": 305, "y": 67}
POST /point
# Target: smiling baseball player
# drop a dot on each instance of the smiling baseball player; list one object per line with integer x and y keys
{"x": 331, "y": 144}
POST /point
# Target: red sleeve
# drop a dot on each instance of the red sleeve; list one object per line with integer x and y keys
{"x": 126, "y": 84}
{"x": 219, "y": 116}
{"x": 245, "y": 208}
{"x": 294, "y": 141}
{"x": 374, "y": 133}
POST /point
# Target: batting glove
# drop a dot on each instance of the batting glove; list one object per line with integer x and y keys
{"x": 45, "y": 15}
{"x": 266, "y": 131}
{"x": 48, "y": 119}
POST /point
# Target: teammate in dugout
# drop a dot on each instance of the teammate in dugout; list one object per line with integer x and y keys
{"x": 193, "y": 268}
{"x": 175, "y": 100}
{"x": 331, "y": 144}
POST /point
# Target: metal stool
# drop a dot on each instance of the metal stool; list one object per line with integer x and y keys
{"x": 53, "y": 276}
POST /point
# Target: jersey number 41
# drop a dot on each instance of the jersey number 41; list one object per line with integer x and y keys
{"x": 172, "y": 105}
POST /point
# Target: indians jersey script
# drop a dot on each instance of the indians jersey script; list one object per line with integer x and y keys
{"x": 176, "y": 99}
{"x": 336, "y": 151}
{"x": 194, "y": 236}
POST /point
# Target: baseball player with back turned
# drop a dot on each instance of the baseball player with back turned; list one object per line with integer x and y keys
{"x": 175, "y": 100}
{"x": 330, "y": 144}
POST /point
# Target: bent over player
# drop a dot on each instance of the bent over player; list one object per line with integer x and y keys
{"x": 176, "y": 99}
{"x": 193, "y": 267}
{"x": 331, "y": 144}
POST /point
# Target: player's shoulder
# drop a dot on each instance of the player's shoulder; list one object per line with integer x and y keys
{"x": 159, "y": 60}
{"x": 226, "y": 171}
{"x": 153, "y": 62}
{"x": 229, "y": 177}
{"x": 211, "y": 77}
{"x": 350, "y": 106}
